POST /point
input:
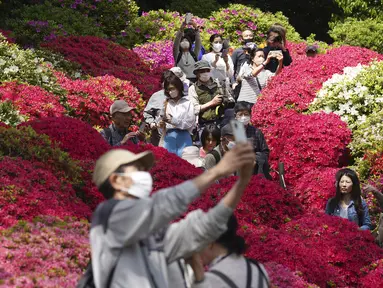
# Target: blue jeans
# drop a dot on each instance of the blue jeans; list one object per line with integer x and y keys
{"x": 176, "y": 140}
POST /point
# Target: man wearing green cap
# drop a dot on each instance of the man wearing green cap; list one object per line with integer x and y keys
{"x": 205, "y": 95}
{"x": 132, "y": 243}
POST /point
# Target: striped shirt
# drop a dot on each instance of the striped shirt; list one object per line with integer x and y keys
{"x": 251, "y": 88}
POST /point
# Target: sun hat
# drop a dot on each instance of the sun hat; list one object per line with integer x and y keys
{"x": 111, "y": 160}
{"x": 179, "y": 73}
{"x": 200, "y": 65}
{"x": 191, "y": 154}
{"x": 120, "y": 106}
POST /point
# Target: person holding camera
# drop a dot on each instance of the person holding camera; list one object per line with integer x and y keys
{"x": 242, "y": 54}
{"x": 219, "y": 60}
{"x": 277, "y": 45}
{"x": 254, "y": 76}
{"x": 209, "y": 96}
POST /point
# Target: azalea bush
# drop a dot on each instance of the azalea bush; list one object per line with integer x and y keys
{"x": 327, "y": 239}
{"x": 46, "y": 22}
{"x": 70, "y": 135}
{"x": 31, "y": 102}
{"x": 358, "y": 32}
{"x": 373, "y": 274}
{"x": 111, "y": 16}
{"x": 24, "y": 66}
{"x": 231, "y": 21}
{"x": 317, "y": 140}
{"x": 99, "y": 57}
{"x": 59, "y": 63}
{"x": 315, "y": 188}
{"x": 296, "y": 87}
{"x": 48, "y": 252}
{"x": 7, "y": 35}
{"x": 157, "y": 54}
{"x": 26, "y": 143}
{"x": 9, "y": 115}
{"x": 28, "y": 190}
{"x": 155, "y": 26}
{"x": 91, "y": 99}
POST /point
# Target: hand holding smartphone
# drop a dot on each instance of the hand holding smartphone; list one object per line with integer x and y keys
{"x": 238, "y": 131}
{"x": 188, "y": 18}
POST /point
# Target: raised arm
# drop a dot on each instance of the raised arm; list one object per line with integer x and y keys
{"x": 148, "y": 215}
{"x": 198, "y": 229}
{"x": 177, "y": 42}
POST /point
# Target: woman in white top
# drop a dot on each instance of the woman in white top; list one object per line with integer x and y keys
{"x": 254, "y": 76}
{"x": 221, "y": 63}
{"x": 177, "y": 117}
{"x": 184, "y": 56}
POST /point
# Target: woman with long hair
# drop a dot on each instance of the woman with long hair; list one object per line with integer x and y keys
{"x": 177, "y": 117}
{"x": 227, "y": 265}
{"x": 348, "y": 202}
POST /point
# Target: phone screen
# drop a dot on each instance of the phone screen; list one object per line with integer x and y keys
{"x": 238, "y": 131}
{"x": 188, "y": 18}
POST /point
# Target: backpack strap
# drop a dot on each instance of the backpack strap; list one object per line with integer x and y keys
{"x": 216, "y": 155}
{"x": 259, "y": 84}
{"x": 262, "y": 276}
{"x": 250, "y": 275}
{"x": 224, "y": 278}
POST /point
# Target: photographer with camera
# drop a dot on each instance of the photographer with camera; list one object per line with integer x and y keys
{"x": 242, "y": 54}
{"x": 254, "y": 77}
{"x": 276, "y": 43}
{"x": 209, "y": 96}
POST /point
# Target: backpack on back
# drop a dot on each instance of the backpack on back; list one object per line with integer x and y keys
{"x": 87, "y": 279}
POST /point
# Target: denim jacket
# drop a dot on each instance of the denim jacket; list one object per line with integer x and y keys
{"x": 364, "y": 223}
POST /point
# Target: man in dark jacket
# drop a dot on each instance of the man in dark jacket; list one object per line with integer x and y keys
{"x": 242, "y": 54}
{"x": 242, "y": 113}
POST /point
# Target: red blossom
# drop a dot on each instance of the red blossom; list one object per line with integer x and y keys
{"x": 32, "y": 101}
{"x": 27, "y": 190}
{"x": 100, "y": 57}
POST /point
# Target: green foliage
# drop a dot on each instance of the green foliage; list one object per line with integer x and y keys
{"x": 357, "y": 96}
{"x": 113, "y": 16}
{"x": 234, "y": 19}
{"x": 24, "y": 66}
{"x": 24, "y": 142}
{"x": 36, "y": 23}
{"x": 9, "y": 114}
{"x": 366, "y": 33}
{"x": 201, "y": 8}
{"x": 153, "y": 26}
{"x": 361, "y": 8}
{"x": 59, "y": 63}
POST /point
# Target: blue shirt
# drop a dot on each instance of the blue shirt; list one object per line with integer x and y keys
{"x": 363, "y": 222}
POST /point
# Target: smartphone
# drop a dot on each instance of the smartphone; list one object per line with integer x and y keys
{"x": 238, "y": 131}
{"x": 188, "y": 18}
{"x": 224, "y": 52}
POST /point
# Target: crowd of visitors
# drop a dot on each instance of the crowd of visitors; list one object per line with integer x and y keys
{"x": 133, "y": 241}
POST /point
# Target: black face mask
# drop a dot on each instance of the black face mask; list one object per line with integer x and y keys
{"x": 245, "y": 41}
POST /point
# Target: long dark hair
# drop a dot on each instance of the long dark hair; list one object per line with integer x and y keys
{"x": 176, "y": 82}
{"x": 355, "y": 192}
{"x": 211, "y": 131}
{"x": 212, "y": 38}
{"x": 230, "y": 240}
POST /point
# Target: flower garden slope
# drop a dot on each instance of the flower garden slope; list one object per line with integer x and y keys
{"x": 100, "y": 57}
{"x": 47, "y": 253}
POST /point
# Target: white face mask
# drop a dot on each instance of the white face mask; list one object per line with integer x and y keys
{"x": 259, "y": 61}
{"x": 185, "y": 45}
{"x": 142, "y": 184}
{"x": 173, "y": 94}
{"x": 204, "y": 77}
{"x": 244, "y": 119}
{"x": 217, "y": 47}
